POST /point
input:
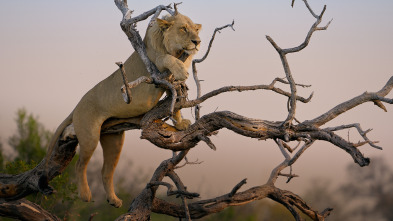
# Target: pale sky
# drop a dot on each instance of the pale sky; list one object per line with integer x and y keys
{"x": 52, "y": 52}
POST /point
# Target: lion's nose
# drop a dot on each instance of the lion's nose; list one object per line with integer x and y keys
{"x": 196, "y": 42}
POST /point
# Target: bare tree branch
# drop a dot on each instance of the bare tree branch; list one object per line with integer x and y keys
{"x": 194, "y": 70}
{"x": 243, "y": 88}
{"x": 356, "y": 101}
{"x": 25, "y": 210}
{"x": 284, "y": 52}
{"x": 126, "y": 89}
{"x": 205, "y": 207}
{"x": 172, "y": 192}
{"x": 180, "y": 186}
{"x": 196, "y": 162}
{"x": 361, "y": 132}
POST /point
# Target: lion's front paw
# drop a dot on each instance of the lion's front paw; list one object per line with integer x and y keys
{"x": 183, "y": 125}
{"x": 179, "y": 71}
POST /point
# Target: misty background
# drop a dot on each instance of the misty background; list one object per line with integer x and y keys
{"x": 53, "y": 52}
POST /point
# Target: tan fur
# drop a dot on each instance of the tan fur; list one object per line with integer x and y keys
{"x": 164, "y": 40}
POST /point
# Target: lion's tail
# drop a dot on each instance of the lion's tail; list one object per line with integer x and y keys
{"x": 56, "y": 136}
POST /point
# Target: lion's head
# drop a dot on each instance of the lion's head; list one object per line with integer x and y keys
{"x": 176, "y": 34}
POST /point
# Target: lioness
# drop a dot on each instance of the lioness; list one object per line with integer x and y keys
{"x": 165, "y": 39}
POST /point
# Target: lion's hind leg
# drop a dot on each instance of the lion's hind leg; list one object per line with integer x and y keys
{"x": 111, "y": 145}
{"x": 87, "y": 129}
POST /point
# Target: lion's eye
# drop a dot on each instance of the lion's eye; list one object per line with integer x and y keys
{"x": 184, "y": 29}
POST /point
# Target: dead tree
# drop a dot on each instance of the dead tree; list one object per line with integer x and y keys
{"x": 157, "y": 131}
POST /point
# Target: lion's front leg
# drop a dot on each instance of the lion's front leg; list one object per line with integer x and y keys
{"x": 180, "y": 123}
{"x": 174, "y": 65}
{"x": 179, "y": 71}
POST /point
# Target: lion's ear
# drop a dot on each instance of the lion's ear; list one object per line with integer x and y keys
{"x": 198, "y": 27}
{"x": 163, "y": 24}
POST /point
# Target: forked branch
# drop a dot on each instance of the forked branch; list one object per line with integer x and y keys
{"x": 287, "y": 70}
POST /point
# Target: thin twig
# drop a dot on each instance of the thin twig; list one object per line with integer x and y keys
{"x": 290, "y": 176}
{"x": 180, "y": 186}
{"x": 361, "y": 133}
{"x": 196, "y": 162}
{"x": 195, "y": 72}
